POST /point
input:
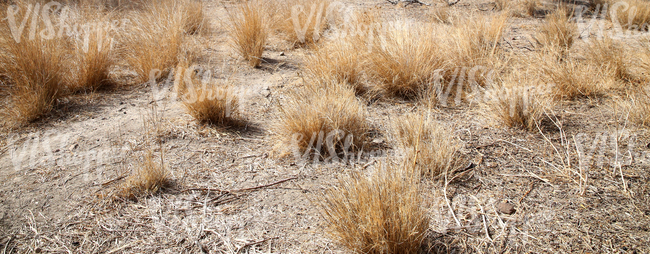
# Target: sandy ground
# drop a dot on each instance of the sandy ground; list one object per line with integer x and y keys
{"x": 231, "y": 195}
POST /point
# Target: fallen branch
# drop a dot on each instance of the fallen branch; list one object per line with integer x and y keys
{"x": 409, "y": 2}
{"x": 240, "y": 190}
{"x": 255, "y": 243}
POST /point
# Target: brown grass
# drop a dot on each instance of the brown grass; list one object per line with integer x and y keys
{"x": 148, "y": 178}
{"x": 404, "y": 59}
{"x": 249, "y": 32}
{"x": 381, "y": 213}
{"x": 517, "y": 102}
{"x": 476, "y": 42}
{"x": 558, "y": 31}
{"x": 427, "y": 142}
{"x": 571, "y": 78}
{"x": 214, "y": 104}
{"x": 301, "y": 22}
{"x": 639, "y": 107}
{"x": 321, "y": 109}
{"x": 635, "y": 17}
{"x": 613, "y": 57}
{"x": 36, "y": 72}
{"x": 340, "y": 61}
{"x": 195, "y": 21}
{"x": 154, "y": 40}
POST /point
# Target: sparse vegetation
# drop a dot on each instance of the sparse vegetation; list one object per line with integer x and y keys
{"x": 249, "y": 32}
{"x": 380, "y": 213}
{"x": 302, "y": 22}
{"x": 341, "y": 61}
{"x": 558, "y": 31}
{"x": 427, "y": 145}
{"x": 148, "y": 178}
{"x": 571, "y": 78}
{"x": 517, "y": 102}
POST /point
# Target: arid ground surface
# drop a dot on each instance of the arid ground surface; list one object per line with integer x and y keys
{"x": 231, "y": 193}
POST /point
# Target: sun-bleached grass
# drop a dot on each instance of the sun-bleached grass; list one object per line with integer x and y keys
{"x": 153, "y": 41}
{"x": 426, "y": 144}
{"x": 318, "y": 111}
{"x": 249, "y": 31}
{"x": 380, "y": 213}
{"x": 571, "y": 78}
{"x": 404, "y": 59}
{"x": 301, "y": 22}
{"x": 149, "y": 177}
{"x": 558, "y": 31}
{"x": 635, "y": 17}
{"x": 216, "y": 104}
{"x": 340, "y": 61}
{"x": 476, "y": 42}
{"x": 613, "y": 57}
{"x": 36, "y": 72}
{"x": 638, "y": 105}
{"x": 517, "y": 101}
{"x": 195, "y": 21}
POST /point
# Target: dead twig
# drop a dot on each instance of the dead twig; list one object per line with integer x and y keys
{"x": 240, "y": 190}
{"x": 255, "y": 243}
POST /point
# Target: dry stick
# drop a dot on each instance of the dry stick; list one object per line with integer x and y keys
{"x": 123, "y": 247}
{"x": 264, "y": 186}
{"x": 7, "y": 244}
{"x": 487, "y": 232}
{"x": 255, "y": 243}
{"x": 444, "y": 191}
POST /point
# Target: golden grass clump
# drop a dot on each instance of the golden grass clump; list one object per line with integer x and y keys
{"x": 195, "y": 21}
{"x": 154, "y": 39}
{"x": 36, "y": 72}
{"x": 380, "y": 213}
{"x": 146, "y": 179}
{"x": 639, "y": 107}
{"x": 476, "y": 42}
{"x": 631, "y": 14}
{"x": 427, "y": 145}
{"x": 340, "y": 61}
{"x": 317, "y": 112}
{"x": 570, "y": 78}
{"x": 404, "y": 59}
{"x": 302, "y": 22}
{"x": 249, "y": 32}
{"x": 558, "y": 31}
{"x": 516, "y": 102}
{"x": 613, "y": 57}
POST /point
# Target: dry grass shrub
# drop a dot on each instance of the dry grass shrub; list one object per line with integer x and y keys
{"x": 428, "y": 146}
{"x": 340, "y": 61}
{"x": 380, "y": 213}
{"x": 249, "y": 32}
{"x": 153, "y": 42}
{"x": 442, "y": 14}
{"x": 195, "y": 21}
{"x": 302, "y": 22}
{"x": 476, "y": 42}
{"x": 632, "y": 14}
{"x": 571, "y": 78}
{"x": 148, "y": 178}
{"x": 613, "y": 57}
{"x": 518, "y": 101}
{"x": 319, "y": 111}
{"x": 558, "y": 31}
{"x": 36, "y": 71}
{"x": 639, "y": 106}
{"x": 404, "y": 59}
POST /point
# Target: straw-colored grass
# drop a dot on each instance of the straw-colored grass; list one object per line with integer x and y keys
{"x": 302, "y": 22}
{"x": 340, "y": 61}
{"x": 149, "y": 177}
{"x": 518, "y": 101}
{"x": 558, "y": 31}
{"x": 380, "y": 213}
{"x": 249, "y": 32}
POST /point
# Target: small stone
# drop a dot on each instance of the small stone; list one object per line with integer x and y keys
{"x": 282, "y": 53}
{"x": 506, "y": 208}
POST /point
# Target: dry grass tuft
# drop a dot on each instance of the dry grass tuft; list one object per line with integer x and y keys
{"x": 249, "y": 32}
{"x": 517, "y": 103}
{"x": 381, "y": 213}
{"x": 427, "y": 142}
{"x": 195, "y": 20}
{"x": 36, "y": 72}
{"x": 319, "y": 111}
{"x": 631, "y": 14}
{"x": 302, "y": 22}
{"x": 558, "y": 31}
{"x": 639, "y": 106}
{"x": 340, "y": 61}
{"x": 154, "y": 40}
{"x": 404, "y": 59}
{"x": 476, "y": 42}
{"x": 612, "y": 56}
{"x": 147, "y": 179}
{"x": 571, "y": 78}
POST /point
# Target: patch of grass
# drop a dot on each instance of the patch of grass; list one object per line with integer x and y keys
{"x": 427, "y": 144}
{"x": 380, "y": 213}
{"x": 195, "y": 20}
{"x": 571, "y": 78}
{"x": 320, "y": 111}
{"x": 36, "y": 72}
{"x": 302, "y": 22}
{"x": 249, "y": 32}
{"x": 476, "y": 42}
{"x": 404, "y": 59}
{"x": 340, "y": 61}
{"x": 153, "y": 41}
{"x": 639, "y": 106}
{"x": 635, "y": 17}
{"x": 613, "y": 57}
{"x": 147, "y": 179}
{"x": 213, "y": 104}
{"x": 558, "y": 31}
{"x": 517, "y": 102}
